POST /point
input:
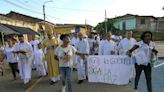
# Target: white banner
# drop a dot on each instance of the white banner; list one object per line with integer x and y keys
{"x": 112, "y": 69}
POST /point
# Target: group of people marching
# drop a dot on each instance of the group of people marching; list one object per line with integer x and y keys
{"x": 58, "y": 58}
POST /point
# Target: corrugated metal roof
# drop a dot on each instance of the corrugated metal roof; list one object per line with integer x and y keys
{"x": 7, "y": 30}
{"x": 21, "y": 30}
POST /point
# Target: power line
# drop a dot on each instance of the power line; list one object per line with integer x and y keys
{"x": 77, "y": 10}
{"x": 17, "y": 5}
{"x": 60, "y": 18}
{"x": 27, "y": 9}
{"x": 25, "y": 3}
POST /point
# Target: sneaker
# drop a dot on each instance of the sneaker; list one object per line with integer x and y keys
{"x": 135, "y": 90}
{"x": 80, "y": 81}
{"x": 86, "y": 77}
{"x": 63, "y": 89}
{"x": 52, "y": 83}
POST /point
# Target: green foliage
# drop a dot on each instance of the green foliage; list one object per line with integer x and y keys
{"x": 100, "y": 28}
{"x": 157, "y": 36}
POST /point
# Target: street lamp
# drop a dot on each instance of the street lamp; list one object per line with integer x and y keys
{"x": 44, "y": 15}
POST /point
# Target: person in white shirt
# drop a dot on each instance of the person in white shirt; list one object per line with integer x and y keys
{"x": 109, "y": 46}
{"x": 91, "y": 44}
{"x": 74, "y": 42}
{"x": 25, "y": 54}
{"x": 126, "y": 44}
{"x": 64, "y": 53}
{"x": 101, "y": 42}
{"x": 82, "y": 47}
{"x": 148, "y": 48}
{"x": 11, "y": 57}
{"x": 34, "y": 43}
{"x": 40, "y": 61}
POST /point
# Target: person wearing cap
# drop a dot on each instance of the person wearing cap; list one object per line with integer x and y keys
{"x": 49, "y": 45}
{"x": 24, "y": 51}
{"x": 82, "y": 47}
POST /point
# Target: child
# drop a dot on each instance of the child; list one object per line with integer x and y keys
{"x": 40, "y": 61}
{"x": 64, "y": 54}
{"x": 11, "y": 57}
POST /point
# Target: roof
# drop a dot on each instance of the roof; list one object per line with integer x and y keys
{"x": 12, "y": 13}
{"x": 129, "y": 15}
{"x": 7, "y": 30}
{"x": 29, "y": 18}
{"x": 80, "y": 25}
{"x": 21, "y": 30}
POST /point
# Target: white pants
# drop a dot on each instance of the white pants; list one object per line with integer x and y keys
{"x": 25, "y": 70}
{"x": 54, "y": 79}
{"x": 41, "y": 70}
{"x": 74, "y": 61}
{"x": 26, "y": 80}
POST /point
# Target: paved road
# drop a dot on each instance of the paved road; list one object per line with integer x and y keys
{"x": 160, "y": 48}
{"x": 157, "y": 79}
{"x": 42, "y": 84}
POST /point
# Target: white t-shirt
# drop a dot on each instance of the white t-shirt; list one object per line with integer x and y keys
{"x": 107, "y": 47}
{"x": 60, "y": 51}
{"x": 101, "y": 43}
{"x": 11, "y": 57}
{"x": 146, "y": 49}
{"x": 83, "y": 46}
{"x": 34, "y": 43}
{"x": 126, "y": 44}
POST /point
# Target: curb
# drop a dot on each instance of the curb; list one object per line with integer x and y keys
{"x": 161, "y": 58}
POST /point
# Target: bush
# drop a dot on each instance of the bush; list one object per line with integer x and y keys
{"x": 157, "y": 36}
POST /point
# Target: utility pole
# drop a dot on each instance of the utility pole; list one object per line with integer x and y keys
{"x": 44, "y": 14}
{"x": 85, "y": 21}
{"x": 86, "y": 27}
{"x": 106, "y": 29}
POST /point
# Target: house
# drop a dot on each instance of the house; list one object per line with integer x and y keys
{"x": 138, "y": 23}
{"x": 126, "y": 22}
{"x": 21, "y": 20}
{"x": 160, "y": 24}
{"x": 78, "y": 27}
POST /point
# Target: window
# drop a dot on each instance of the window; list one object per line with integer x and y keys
{"x": 124, "y": 25}
{"x": 142, "y": 21}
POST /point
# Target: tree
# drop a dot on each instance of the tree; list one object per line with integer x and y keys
{"x": 100, "y": 27}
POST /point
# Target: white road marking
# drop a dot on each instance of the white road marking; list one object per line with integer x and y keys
{"x": 159, "y": 65}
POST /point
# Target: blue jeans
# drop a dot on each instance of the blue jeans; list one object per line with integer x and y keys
{"x": 66, "y": 73}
